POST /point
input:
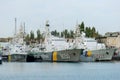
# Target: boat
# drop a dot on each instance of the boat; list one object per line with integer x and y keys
{"x": 58, "y": 52}
{"x": 91, "y": 49}
{"x": 38, "y": 54}
{"x": 18, "y": 53}
{"x": 70, "y": 55}
{"x": 16, "y": 50}
{"x": 96, "y": 51}
{"x": 55, "y": 49}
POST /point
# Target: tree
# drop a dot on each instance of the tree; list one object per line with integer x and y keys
{"x": 71, "y": 34}
{"x": 65, "y": 33}
{"x": 27, "y": 38}
{"x": 32, "y": 35}
{"x": 90, "y": 31}
{"x": 58, "y": 34}
{"x": 98, "y": 35}
{"x": 38, "y": 35}
{"x": 68, "y": 35}
{"x": 93, "y": 32}
{"x": 82, "y": 27}
{"x": 55, "y": 33}
{"x": 62, "y": 34}
{"x": 86, "y": 31}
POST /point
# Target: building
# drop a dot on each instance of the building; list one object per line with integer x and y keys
{"x": 112, "y": 39}
{"x": 5, "y": 39}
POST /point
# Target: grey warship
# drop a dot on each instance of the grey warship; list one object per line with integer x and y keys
{"x": 54, "y": 49}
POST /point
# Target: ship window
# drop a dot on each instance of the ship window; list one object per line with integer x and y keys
{"x": 107, "y": 53}
{"x": 74, "y": 54}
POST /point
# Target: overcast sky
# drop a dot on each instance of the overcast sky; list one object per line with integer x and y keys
{"x": 104, "y": 15}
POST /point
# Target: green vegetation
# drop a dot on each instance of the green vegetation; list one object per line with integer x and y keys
{"x": 39, "y": 35}
{"x": 55, "y": 33}
{"x": 32, "y": 35}
{"x": 89, "y": 31}
{"x": 82, "y": 27}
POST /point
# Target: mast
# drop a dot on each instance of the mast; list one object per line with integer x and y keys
{"x": 24, "y": 31}
{"x": 47, "y": 34}
{"x": 79, "y": 38}
{"x": 76, "y": 36}
{"x": 15, "y": 26}
{"x": 47, "y": 29}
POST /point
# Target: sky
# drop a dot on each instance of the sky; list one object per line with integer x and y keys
{"x": 104, "y": 15}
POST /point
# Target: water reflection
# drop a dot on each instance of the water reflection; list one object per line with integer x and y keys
{"x": 60, "y": 71}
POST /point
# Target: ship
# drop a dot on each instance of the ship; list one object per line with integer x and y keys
{"x": 54, "y": 49}
{"x": 54, "y": 53}
{"x": 38, "y": 54}
{"x": 17, "y": 53}
{"x": 71, "y": 55}
{"x": 96, "y": 51}
{"x": 91, "y": 49}
{"x": 16, "y": 49}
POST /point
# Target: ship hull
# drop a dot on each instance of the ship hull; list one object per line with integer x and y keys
{"x": 67, "y": 55}
{"x": 17, "y": 57}
{"x": 39, "y": 56}
{"x": 98, "y": 55}
{"x": 55, "y": 56}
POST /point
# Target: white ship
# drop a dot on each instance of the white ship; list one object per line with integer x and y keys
{"x": 15, "y": 50}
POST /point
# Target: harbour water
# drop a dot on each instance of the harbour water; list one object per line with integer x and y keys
{"x": 60, "y": 71}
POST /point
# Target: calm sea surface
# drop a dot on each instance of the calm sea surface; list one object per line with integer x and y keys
{"x": 60, "y": 71}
